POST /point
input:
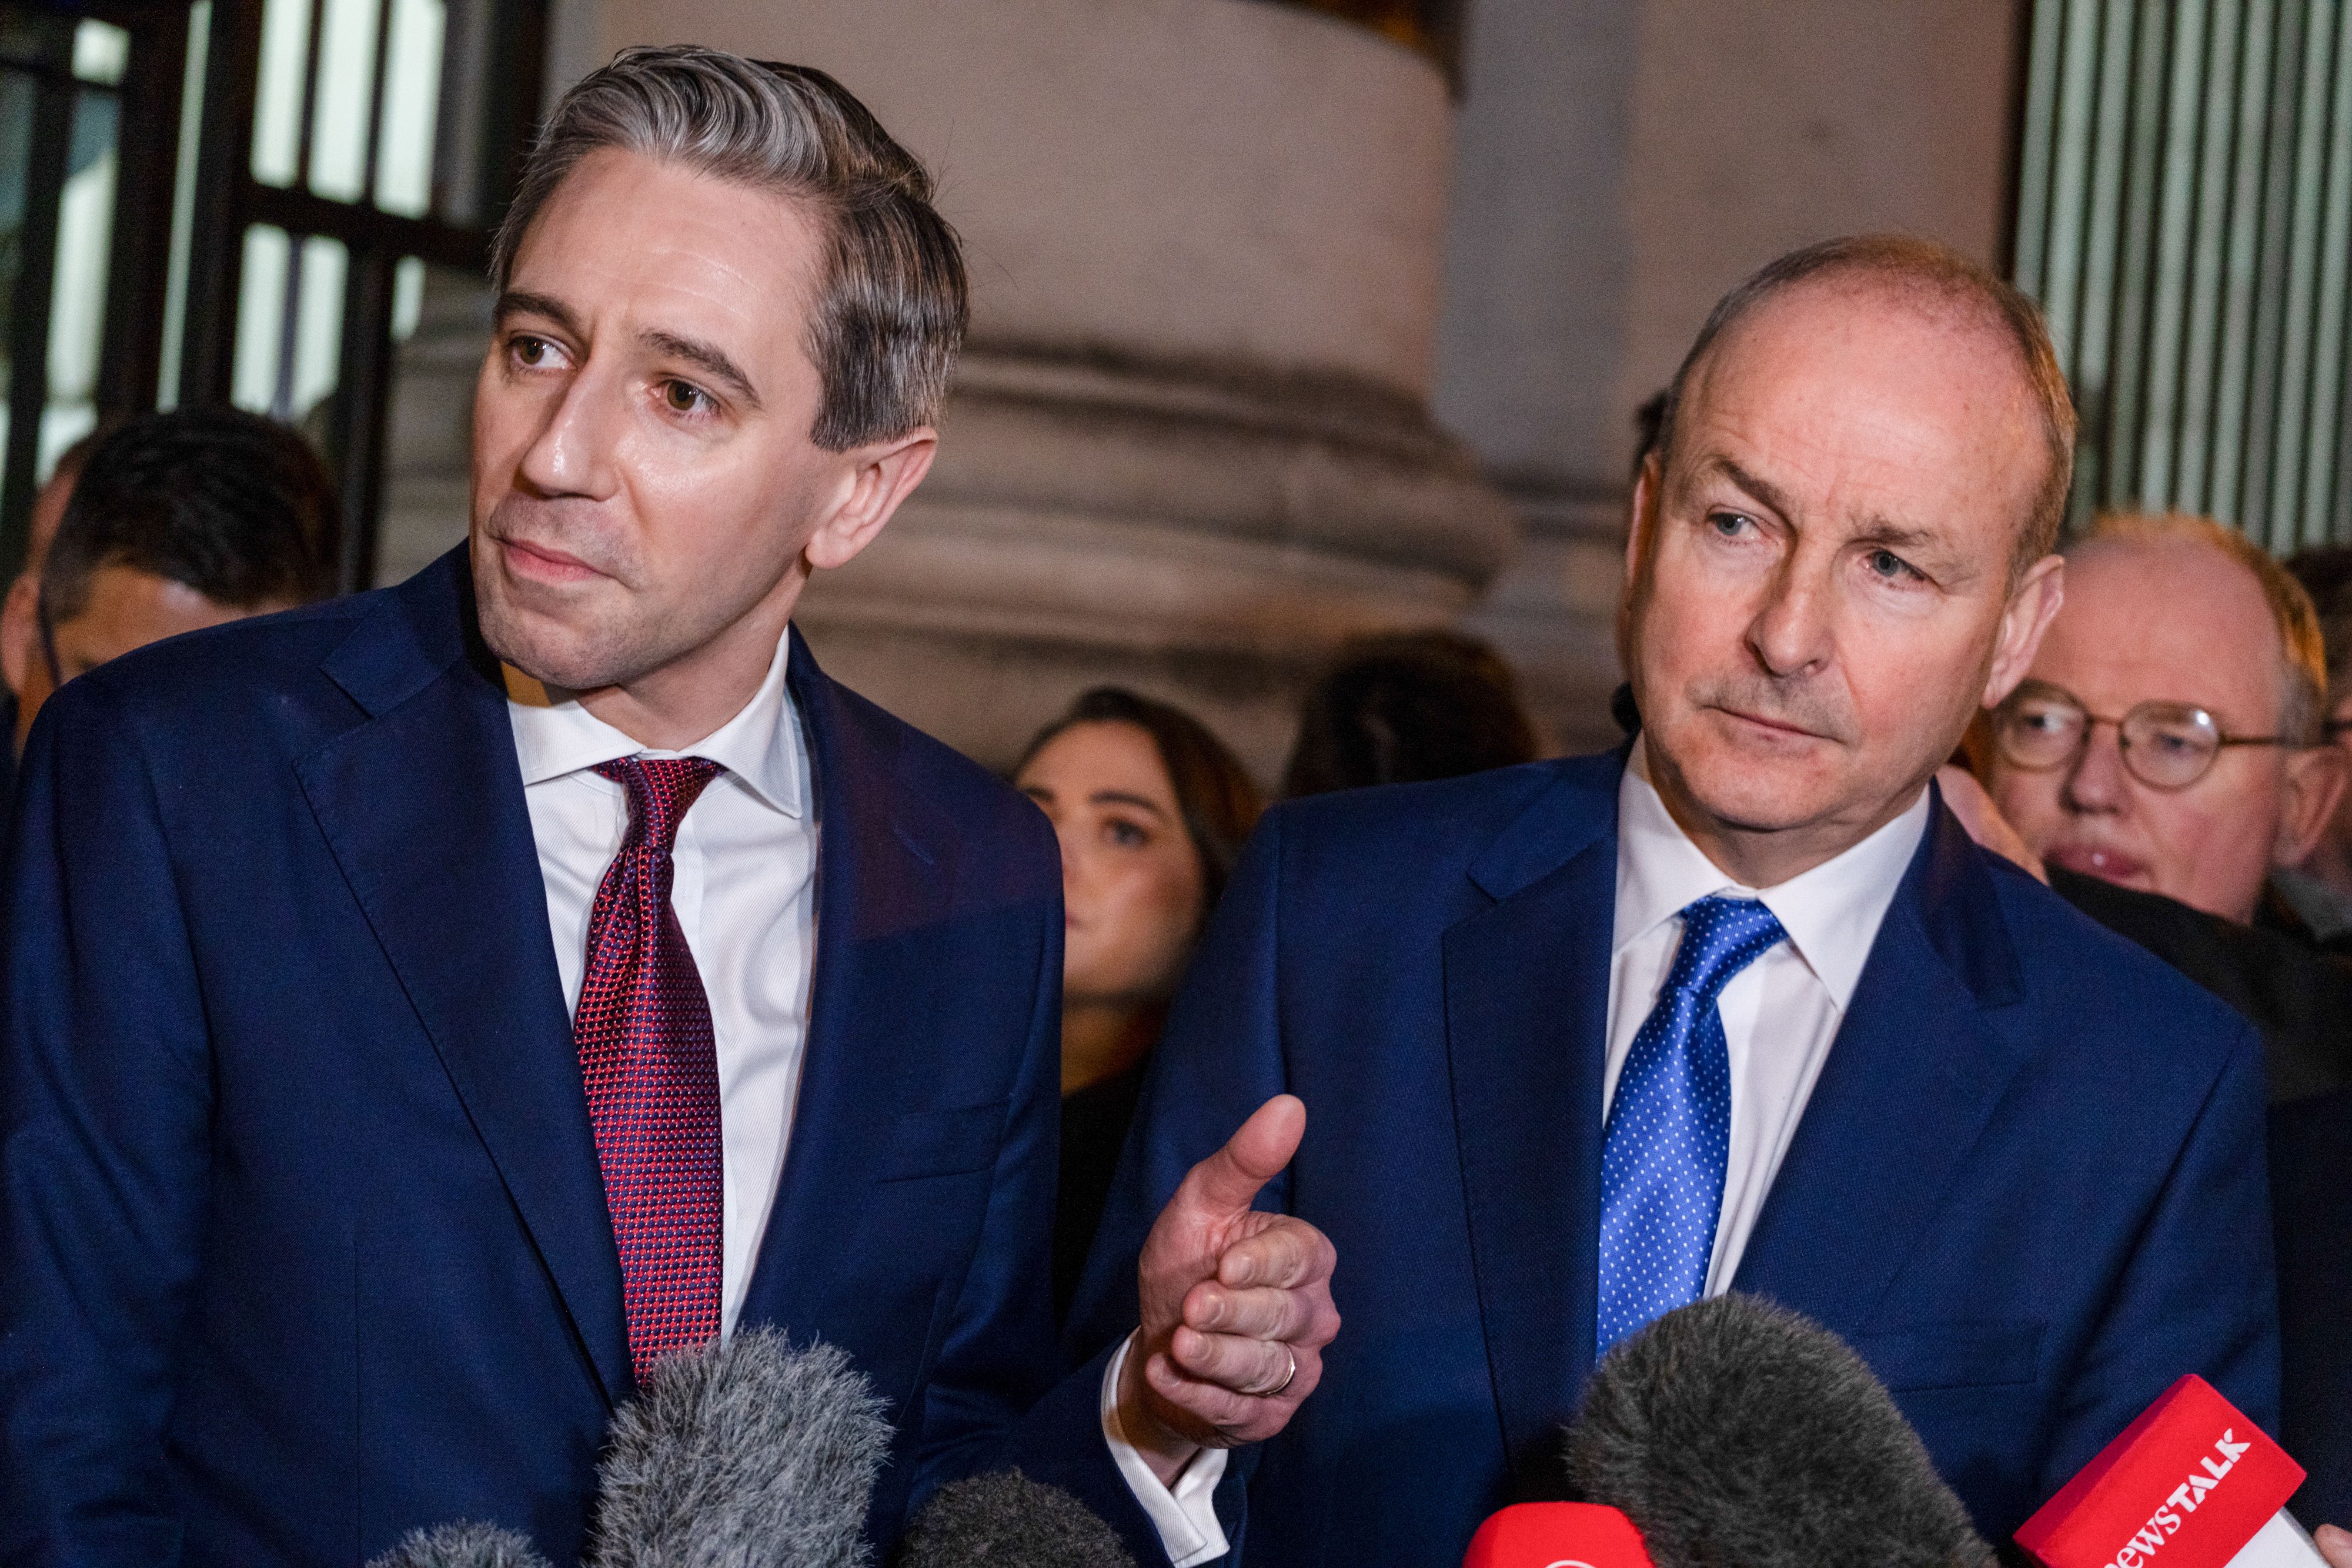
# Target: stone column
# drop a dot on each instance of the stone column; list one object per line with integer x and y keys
{"x": 1189, "y": 448}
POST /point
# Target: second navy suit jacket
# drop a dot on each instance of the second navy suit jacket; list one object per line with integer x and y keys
{"x": 302, "y": 1234}
{"x": 2028, "y": 1187}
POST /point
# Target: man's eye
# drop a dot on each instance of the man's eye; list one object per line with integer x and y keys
{"x": 1727, "y": 524}
{"x": 683, "y": 397}
{"x": 532, "y": 351}
{"x": 1886, "y": 563}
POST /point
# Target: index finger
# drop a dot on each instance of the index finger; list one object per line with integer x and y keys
{"x": 1228, "y": 1181}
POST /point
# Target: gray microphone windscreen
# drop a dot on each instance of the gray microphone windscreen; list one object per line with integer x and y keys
{"x": 462, "y": 1546}
{"x": 1007, "y": 1521}
{"x": 1734, "y": 1432}
{"x": 746, "y": 1454}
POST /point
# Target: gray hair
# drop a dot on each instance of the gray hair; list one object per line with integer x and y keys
{"x": 891, "y": 304}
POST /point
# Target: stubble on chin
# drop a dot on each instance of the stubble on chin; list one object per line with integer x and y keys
{"x": 571, "y": 647}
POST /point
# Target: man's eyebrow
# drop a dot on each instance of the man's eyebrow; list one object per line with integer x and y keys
{"x": 522, "y": 302}
{"x": 1877, "y": 529}
{"x": 1763, "y": 490}
{"x": 707, "y": 357}
{"x": 1882, "y": 531}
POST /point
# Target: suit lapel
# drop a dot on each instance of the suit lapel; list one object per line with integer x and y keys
{"x": 1916, "y": 1070}
{"x": 1526, "y": 997}
{"x": 422, "y": 808}
{"x": 885, "y": 864}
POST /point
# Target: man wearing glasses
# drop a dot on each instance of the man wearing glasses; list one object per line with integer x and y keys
{"x": 2168, "y": 735}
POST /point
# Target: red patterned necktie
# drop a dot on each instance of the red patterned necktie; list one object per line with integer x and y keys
{"x": 652, "y": 1070}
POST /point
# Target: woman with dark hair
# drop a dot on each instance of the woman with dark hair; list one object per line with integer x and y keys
{"x": 1150, "y": 808}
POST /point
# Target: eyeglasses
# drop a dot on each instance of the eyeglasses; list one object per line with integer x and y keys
{"x": 2166, "y": 745}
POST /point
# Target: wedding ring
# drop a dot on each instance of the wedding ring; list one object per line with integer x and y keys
{"x": 1278, "y": 1389}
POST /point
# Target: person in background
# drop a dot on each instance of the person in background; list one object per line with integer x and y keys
{"x": 1406, "y": 707}
{"x": 19, "y": 613}
{"x": 2320, "y": 889}
{"x": 2166, "y": 737}
{"x": 1150, "y": 808}
{"x": 2158, "y": 758}
{"x": 176, "y": 521}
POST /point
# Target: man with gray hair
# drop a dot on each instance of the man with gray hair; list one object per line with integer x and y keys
{"x": 431, "y": 1010}
{"x": 1738, "y": 1005}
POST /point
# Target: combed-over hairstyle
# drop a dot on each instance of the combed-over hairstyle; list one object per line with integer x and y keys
{"x": 1939, "y": 275}
{"x": 891, "y": 304}
{"x": 2301, "y": 646}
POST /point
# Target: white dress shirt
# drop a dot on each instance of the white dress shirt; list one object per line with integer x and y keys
{"x": 744, "y": 891}
{"x": 1780, "y": 1013}
{"x": 745, "y": 896}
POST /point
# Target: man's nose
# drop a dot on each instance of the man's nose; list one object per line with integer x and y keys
{"x": 2097, "y": 781}
{"x": 1792, "y": 633}
{"x": 572, "y": 454}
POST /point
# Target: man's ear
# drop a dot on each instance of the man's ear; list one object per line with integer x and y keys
{"x": 1640, "y": 540}
{"x": 2314, "y": 785}
{"x": 20, "y": 631}
{"x": 880, "y": 475}
{"x": 2032, "y": 605}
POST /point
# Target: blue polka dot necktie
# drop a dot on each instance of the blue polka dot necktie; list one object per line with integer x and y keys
{"x": 1669, "y": 1134}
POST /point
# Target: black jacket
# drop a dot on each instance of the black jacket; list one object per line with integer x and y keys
{"x": 2299, "y": 998}
{"x": 2311, "y": 1202}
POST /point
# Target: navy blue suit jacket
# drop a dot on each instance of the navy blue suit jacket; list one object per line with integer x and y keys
{"x": 2028, "y": 1185}
{"x": 2311, "y": 1175}
{"x": 301, "y": 1229}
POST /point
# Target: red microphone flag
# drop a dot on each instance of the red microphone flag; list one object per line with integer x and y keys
{"x": 2192, "y": 1484}
{"x": 1557, "y": 1535}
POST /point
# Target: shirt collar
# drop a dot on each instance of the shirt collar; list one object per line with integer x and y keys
{"x": 555, "y": 736}
{"x": 1831, "y": 913}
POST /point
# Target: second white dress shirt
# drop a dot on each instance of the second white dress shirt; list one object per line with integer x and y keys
{"x": 1782, "y": 1012}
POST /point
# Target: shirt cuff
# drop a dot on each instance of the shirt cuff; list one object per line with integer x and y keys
{"x": 1185, "y": 1517}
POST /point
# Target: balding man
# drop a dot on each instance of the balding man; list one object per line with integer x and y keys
{"x": 1739, "y": 1006}
{"x": 2160, "y": 758}
{"x": 2167, "y": 735}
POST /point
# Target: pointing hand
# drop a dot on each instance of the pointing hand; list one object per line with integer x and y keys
{"x": 1236, "y": 1304}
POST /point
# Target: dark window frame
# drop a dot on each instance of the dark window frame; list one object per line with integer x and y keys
{"x": 228, "y": 200}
